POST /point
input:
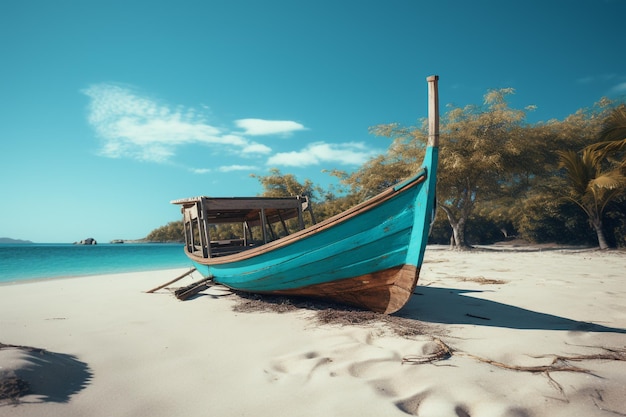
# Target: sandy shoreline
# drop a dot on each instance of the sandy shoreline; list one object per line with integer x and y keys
{"x": 113, "y": 350}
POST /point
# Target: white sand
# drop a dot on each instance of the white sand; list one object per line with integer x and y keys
{"x": 113, "y": 350}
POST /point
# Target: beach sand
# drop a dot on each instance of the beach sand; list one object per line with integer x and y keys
{"x": 516, "y": 333}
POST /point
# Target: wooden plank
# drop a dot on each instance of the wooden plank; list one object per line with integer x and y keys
{"x": 245, "y": 202}
{"x": 178, "y": 278}
{"x": 193, "y": 289}
{"x": 250, "y": 203}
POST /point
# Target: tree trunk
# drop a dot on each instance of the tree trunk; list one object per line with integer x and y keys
{"x": 458, "y": 231}
{"x": 597, "y": 225}
{"x": 457, "y": 240}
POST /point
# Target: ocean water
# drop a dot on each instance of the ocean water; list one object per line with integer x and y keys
{"x": 40, "y": 261}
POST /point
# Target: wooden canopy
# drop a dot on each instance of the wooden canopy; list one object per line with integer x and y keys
{"x": 245, "y": 209}
{"x": 199, "y": 213}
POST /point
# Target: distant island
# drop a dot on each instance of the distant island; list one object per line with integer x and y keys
{"x": 88, "y": 241}
{"x": 9, "y": 240}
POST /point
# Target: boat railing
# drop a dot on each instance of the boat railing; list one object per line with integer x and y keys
{"x": 250, "y": 222}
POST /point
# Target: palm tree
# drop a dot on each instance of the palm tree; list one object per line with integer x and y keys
{"x": 613, "y": 138}
{"x": 589, "y": 186}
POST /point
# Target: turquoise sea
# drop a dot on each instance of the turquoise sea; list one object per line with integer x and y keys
{"x": 39, "y": 261}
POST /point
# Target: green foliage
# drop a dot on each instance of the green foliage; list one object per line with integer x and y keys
{"x": 615, "y": 222}
{"x": 226, "y": 231}
{"x": 544, "y": 219}
{"x": 284, "y": 185}
{"x": 591, "y": 187}
{"x": 482, "y": 231}
{"x": 613, "y": 138}
{"x": 172, "y": 232}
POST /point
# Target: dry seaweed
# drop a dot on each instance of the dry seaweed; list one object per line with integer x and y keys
{"x": 11, "y": 386}
{"x": 559, "y": 363}
{"x": 483, "y": 280}
{"x": 256, "y": 303}
{"x": 329, "y": 313}
{"x": 443, "y": 352}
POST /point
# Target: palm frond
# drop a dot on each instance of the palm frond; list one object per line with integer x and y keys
{"x": 610, "y": 180}
{"x": 609, "y": 146}
{"x": 578, "y": 170}
{"x": 614, "y": 129}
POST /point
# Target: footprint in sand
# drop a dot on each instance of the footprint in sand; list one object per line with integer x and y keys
{"x": 427, "y": 403}
{"x": 303, "y": 365}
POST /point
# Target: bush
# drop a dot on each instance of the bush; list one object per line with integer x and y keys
{"x": 546, "y": 220}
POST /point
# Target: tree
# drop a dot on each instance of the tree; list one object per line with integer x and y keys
{"x": 172, "y": 232}
{"x": 277, "y": 184}
{"x": 612, "y": 143}
{"x": 480, "y": 147}
{"x": 591, "y": 187}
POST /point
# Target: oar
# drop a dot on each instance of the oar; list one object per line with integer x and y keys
{"x": 172, "y": 281}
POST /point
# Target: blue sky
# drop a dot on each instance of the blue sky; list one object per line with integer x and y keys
{"x": 110, "y": 109}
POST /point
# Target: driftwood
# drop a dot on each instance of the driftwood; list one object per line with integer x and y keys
{"x": 172, "y": 281}
{"x": 558, "y": 364}
{"x": 443, "y": 352}
{"x": 193, "y": 289}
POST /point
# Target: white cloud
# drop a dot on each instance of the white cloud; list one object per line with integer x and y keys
{"x": 257, "y": 127}
{"x": 256, "y": 148}
{"x": 141, "y": 128}
{"x": 200, "y": 170}
{"x": 351, "y": 153}
{"x": 230, "y": 168}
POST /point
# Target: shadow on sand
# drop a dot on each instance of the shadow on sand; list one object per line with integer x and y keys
{"x": 49, "y": 376}
{"x": 452, "y": 306}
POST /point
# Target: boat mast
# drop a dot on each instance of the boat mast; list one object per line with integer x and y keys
{"x": 433, "y": 111}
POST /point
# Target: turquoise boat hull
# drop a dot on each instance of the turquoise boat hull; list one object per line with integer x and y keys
{"x": 338, "y": 259}
{"x": 368, "y": 256}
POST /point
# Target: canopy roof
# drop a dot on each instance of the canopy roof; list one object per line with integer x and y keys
{"x": 241, "y": 209}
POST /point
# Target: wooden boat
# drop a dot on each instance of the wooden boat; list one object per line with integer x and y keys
{"x": 368, "y": 256}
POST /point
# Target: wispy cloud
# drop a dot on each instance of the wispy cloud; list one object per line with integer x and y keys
{"x": 256, "y": 127}
{"x": 352, "y": 153}
{"x": 613, "y": 84}
{"x": 618, "y": 89}
{"x": 200, "y": 170}
{"x": 596, "y": 78}
{"x": 133, "y": 126}
{"x": 231, "y": 168}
